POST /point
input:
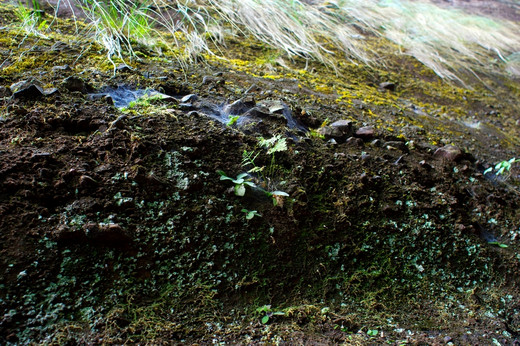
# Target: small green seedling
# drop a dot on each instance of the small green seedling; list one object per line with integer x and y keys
{"x": 232, "y": 120}
{"x": 277, "y": 196}
{"x": 502, "y": 167}
{"x": 240, "y": 182}
{"x": 372, "y": 332}
{"x": 498, "y": 244}
{"x": 250, "y": 213}
{"x": 268, "y": 312}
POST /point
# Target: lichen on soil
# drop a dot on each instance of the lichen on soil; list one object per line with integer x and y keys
{"x": 116, "y": 228}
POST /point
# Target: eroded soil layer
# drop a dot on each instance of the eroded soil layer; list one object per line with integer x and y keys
{"x": 372, "y": 220}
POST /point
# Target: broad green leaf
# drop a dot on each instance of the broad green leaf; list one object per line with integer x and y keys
{"x": 279, "y": 193}
{"x": 265, "y": 319}
{"x": 240, "y": 190}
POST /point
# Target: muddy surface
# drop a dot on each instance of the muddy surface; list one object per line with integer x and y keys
{"x": 367, "y": 214}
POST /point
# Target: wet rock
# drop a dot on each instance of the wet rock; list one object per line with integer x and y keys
{"x": 186, "y": 106}
{"x": 447, "y": 339}
{"x": 189, "y": 98}
{"x": 74, "y": 83}
{"x": 239, "y": 106}
{"x": 365, "y": 133}
{"x": 449, "y": 153}
{"x": 387, "y": 86}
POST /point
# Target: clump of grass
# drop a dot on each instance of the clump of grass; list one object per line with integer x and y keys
{"x": 31, "y": 20}
{"x": 447, "y": 41}
{"x": 118, "y": 24}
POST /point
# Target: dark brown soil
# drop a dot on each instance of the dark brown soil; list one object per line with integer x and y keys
{"x": 116, "y": 227}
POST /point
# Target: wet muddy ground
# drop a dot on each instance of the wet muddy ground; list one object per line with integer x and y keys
{"x": 366, "y": 214}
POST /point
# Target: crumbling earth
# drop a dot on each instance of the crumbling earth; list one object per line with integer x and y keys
{"x": 116, "y": 227}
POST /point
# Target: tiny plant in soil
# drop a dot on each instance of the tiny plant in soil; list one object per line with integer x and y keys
{"x": 502, "y": 168}
{"x": 267, "y": 312}
{"x": 232, "y": 120}
{"x": 240, "y": 182}
{"x": 251, "y": 213}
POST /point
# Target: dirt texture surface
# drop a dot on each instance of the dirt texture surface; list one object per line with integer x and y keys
{"x": 252, "y": 200}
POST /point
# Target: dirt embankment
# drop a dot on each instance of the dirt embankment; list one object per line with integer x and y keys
{"x": 365, "y": 216}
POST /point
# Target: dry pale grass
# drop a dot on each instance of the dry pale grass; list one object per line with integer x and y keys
{"x": 448, "y": 41}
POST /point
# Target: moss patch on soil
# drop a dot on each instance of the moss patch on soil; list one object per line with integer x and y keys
{"x": 116, "y": 228}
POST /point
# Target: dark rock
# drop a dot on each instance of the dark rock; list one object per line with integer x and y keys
{"x": 86, "y": 181}
{"x": 355, "y": 141}
{"x": 186, "y": 106}
{"x": 365, "y": 133}
{"x": 239, "y": 107}
{"x": 387, "y": 86}
{"x": 425, "y": 165}
{"x": 27, "y": 89}
{"x": 123, "y": 68}
{"x": 107, "y": 235}
{"x": 396, "y": 145}
{"x": 338, "y": 130}
{"x": 65, "y": 234}
{"x": 189, "y": 98}
{"x": 377, "y": 143}
{"x": 449, "y": 153}
{"x": 74, "y": 83}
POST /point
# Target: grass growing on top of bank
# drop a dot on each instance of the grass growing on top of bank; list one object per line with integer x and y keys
{"x": 447, "y": 41}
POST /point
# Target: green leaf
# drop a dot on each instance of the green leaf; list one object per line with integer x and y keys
{"x": 498, "y": 244}
{"x": 240, "y": 190}
{"x": 372, "y": 332}
{"x": 232, "y": 119}
{"x": 279, "y": 145}
{"x": 265, "y": 319}
{"x": 242, "y": 176}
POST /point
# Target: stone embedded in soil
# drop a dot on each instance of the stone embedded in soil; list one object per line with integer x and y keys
{"x": 74, "y": 83}
{"x": 387, "y": 86}
{"x": 239, "y": 106}
{"x": 396, "y": 145}
{"x": 449, "y": 152}
{"x": 30, "y": 89}
{"x": 338, "y": 130}
{"x": 366, "y": 132}
{"x": 107, "y": 235}
{"x": 123, "y": 68}
{"x": 189, "y": 98}
{"x": 354, "y": 141}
